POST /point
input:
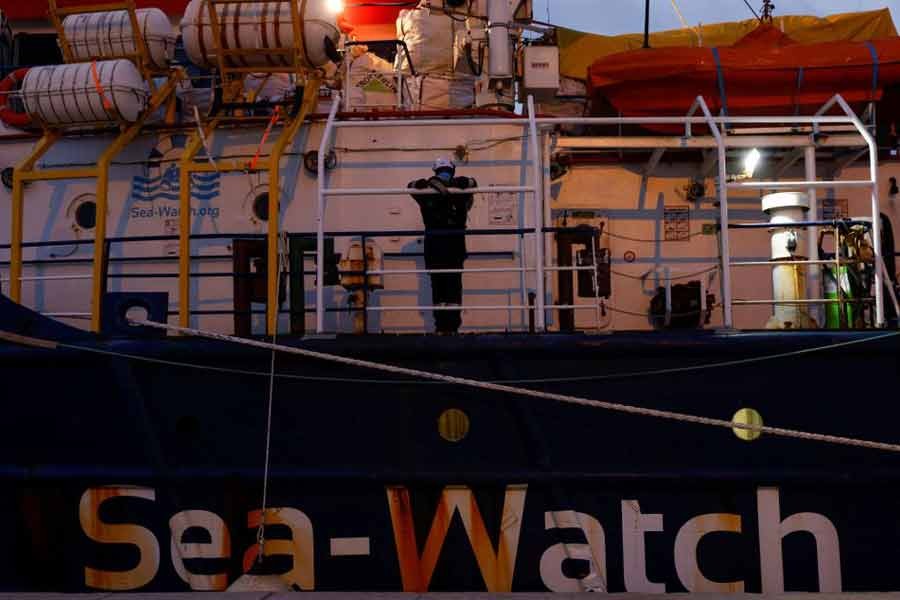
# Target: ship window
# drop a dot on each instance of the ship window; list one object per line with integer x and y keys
{"x": 261, "y": 207}
{"x": 86, "y": 215}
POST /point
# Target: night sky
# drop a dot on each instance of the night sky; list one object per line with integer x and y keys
{"x": 627, "y": 16}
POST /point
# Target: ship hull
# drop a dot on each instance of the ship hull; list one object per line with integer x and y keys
{"x": 138, "y": 464}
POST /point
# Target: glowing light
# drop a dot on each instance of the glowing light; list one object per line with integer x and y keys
{"x": 751, "y": 161}
{"x": 335, "y": 6}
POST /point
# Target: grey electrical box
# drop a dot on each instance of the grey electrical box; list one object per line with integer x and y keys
{"x": 540, "y": 71}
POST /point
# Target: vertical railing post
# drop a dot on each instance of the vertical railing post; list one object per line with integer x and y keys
{"x": 320, "y": 215}
{"x": 876, "y": 208}
{"x": 102, "y": 173}
{"x": 18, "y": 211}
{"x": 725, "y": 247}
{"x": 812, "y": 233}
{"x": 15, "y": 250}
{"x": 548, "y": 220}
{"x": 184, "y": 225}
{"x": 537, "y": 195}
{"x": 97, "y": 283}
{"x": 273, "y": 264}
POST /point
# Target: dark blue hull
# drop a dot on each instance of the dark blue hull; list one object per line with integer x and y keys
{"x": 372, "y": 495}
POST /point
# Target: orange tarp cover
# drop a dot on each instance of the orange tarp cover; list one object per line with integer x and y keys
{"x": 766, "y": 72}
{"x": 578, "y": 50}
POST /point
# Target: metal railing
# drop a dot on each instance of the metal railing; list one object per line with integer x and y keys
{"x": 365, "y": 272}
{"x": 718, "y": 131}
{"x": 837, "y": 263}
{"x": 525, "y": 307}
{"x": 536, "y": 189}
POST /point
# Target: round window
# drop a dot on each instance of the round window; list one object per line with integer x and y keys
{"x": 261, "y": 206}
{"x": 86, "y": 214}
{"x": 137, "y": 313}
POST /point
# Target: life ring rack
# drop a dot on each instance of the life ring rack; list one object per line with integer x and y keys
{"x": 8, "y": 85}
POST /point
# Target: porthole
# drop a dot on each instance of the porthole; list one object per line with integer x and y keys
{"x": 137, "y": 312}
{"x": 6, "y": 175}
{"x": 261, "y": 206}
{"x": 86, "y": 215}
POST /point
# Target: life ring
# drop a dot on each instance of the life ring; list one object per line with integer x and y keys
{"x": 7, "y": 114}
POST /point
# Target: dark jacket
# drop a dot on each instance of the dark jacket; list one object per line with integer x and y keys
{"x": 444, "y": 211}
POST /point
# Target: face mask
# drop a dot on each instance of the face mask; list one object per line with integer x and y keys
{"x": 445, "y": 176}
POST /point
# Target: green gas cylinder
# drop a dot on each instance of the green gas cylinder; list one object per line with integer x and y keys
{"x": 833, "y": 309}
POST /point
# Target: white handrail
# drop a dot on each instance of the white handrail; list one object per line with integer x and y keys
{"x": 780, "y": 185}
{"x": 320, "y": 215}
{"x": 876, "y": 208}
{"x": 538, "y": 198}
{"x": 533, "y": 122}
{"x": 521, "y": 122}
{"x": 425, "y": 192}
{"x": 724, "y": 244}
{"x": 465, "y": 307}
{"x": 476, "y": 270}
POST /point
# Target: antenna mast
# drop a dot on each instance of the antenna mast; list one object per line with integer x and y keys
{"x": 767, "y": 9}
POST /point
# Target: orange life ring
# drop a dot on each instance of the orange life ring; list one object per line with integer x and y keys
{"x": 7, "y": 114}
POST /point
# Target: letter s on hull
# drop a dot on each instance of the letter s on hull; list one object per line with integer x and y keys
{"x": 107, "y": 533}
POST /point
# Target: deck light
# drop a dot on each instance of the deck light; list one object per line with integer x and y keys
{"x": 751, "y": 161}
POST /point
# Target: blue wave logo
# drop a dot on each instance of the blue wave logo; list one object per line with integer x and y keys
{"x": 204, "y": 186}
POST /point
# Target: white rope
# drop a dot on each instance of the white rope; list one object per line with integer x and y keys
{"x": 684, "y": 22}
{"x": 261, "y": 531}
{"x": 507, "y": 389}
{"x": 204, "y": 141}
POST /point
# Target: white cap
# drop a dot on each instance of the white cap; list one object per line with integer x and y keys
{"x": 442, "y": 162}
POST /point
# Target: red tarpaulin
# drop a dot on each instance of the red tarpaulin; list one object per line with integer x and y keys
{"x": 764, "y": 73}
{"x": 32, "y": 10}
{"x": 35, "y": 10}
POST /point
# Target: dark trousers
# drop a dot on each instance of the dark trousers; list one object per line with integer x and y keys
{"x": 446, "y": 288}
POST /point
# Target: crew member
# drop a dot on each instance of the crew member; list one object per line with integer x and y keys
{"x": 445, "y": 211}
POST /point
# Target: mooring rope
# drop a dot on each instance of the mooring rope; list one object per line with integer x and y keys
{"x": 261, "y": 531}
{"x": 508, "y": 389}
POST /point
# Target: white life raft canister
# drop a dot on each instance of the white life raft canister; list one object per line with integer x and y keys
{"x": 109, "y": 34}
{"x": 82, "y": 93}
{"x": 259, "y": 26}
